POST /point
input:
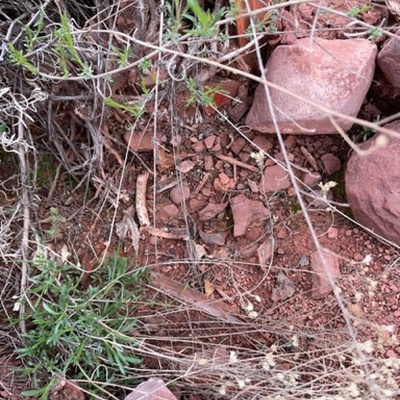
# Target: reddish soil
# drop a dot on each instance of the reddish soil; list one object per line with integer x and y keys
{"x": 204, "y": 159}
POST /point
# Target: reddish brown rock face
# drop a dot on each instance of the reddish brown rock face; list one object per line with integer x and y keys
{"x": 333, "y": 73}
{"x": 389, "y": 61}
{"x": 373, "y": 187}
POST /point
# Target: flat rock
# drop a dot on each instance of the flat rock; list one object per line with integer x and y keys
{"x": 275, "y": 178}
{"x": 245, "y": 211}
{"x": 321, "y": 286}
{"x": 167, "y": 213}
{"x": 152, "y": 389}
{"x": 140, "y": 142}
{"x": 240, "y": 105}
{"x": 311, "y": 179}
{"x": 238, "y": 144}
{"x": 211, "y": 210}
{"x": 389, "y": 60}
{"x": 209, "y": 141}
{"x": 284, "y": 288}
{"x": 263, "y": 143}
{"x": 334, "y": 73}
{"x": 180, "y": 193}
{"x": 372, "y": 185}
{"x": 331, "y": 163}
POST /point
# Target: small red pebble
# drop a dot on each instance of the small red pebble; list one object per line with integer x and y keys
{"x": 333, "y": 233}
{"x": 391, "y": 354}
{"x": 358, "y": 257}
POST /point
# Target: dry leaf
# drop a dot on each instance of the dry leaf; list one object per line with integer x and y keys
{"x": 253, "y": 186}
{"x": 208, "y": 288}
{"x": 141, "y": 207}
{"x": 128, "y": 225}
{"x": 217, "y": 239}
{"x": 265, "y": 252}
{"x": 200, "y": 251}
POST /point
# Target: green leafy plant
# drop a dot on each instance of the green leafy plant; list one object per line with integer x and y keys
{"x": 67, "y": 47}
{"x": 77, "y": 332}
{"x": 204, "y": 22}
{"x": 375, "y": 33}
{"x": 369, "y": 132}
{"x": 174, "y": 22}
{"x": 123, "y": 55}
{"x": 55, "y": 220}
{"x": 33, "y": 35}
{"x": 355, "y": 12}
{"x": 3, "y": 128}
{"x": 18, "y": 58}
{"x": 268, "y": 19}
{"x": 136, "y": 109}
{"x": 44, "y": 172}
{"x": 203, "y": 95}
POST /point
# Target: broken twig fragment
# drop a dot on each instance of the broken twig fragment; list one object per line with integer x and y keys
{"x": 141, "y": 208}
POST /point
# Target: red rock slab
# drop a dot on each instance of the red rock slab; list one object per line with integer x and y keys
{"x": 244, "y": 212}
{"x": 333, "y": 73}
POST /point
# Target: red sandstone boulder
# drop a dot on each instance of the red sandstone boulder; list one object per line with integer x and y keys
{"x": 389, "y": 60}
{"x": 373, "y": 186}
{"x": 333, "y": 73}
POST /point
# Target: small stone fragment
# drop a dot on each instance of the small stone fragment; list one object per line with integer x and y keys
{"x": 180, "y": 193}
{"x": 311, "y": 179}
{"x": 185, "y": 166}
{"x": 211, "y": 210}
{"x": 168, "y": 212}
{"x": 217, "y": 147}
{"x": 227, "y": 90}
{"x": 223, "y": 182}
{"x": 140, "y": 142}
{"x": 245, "y": 211}
{"x": 332, "y": 233}
{"x": 208, "y": 162}
{"x": 198, "y": 147}
{"x": 358, "y": 257}
{"x": 281, "y": 232}
{"x": 238, "y": 145}
{"x": 209, "y": 141}
{"x": 263, "y": 143}
{"x": 331, "y": 163}
{"x": 275, "y": 178}
{"x": 321, "y": 286}
{"x": 240, "y": 106}
{"x": 284, "y": 288}
{"x": 197, "y": 204}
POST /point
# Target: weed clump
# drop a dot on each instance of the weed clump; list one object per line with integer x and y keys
{"x": 81, "y": 333}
